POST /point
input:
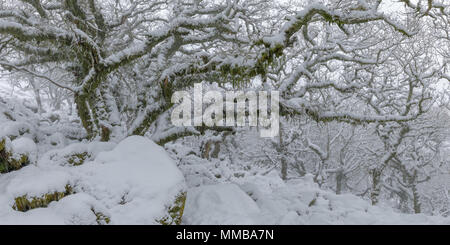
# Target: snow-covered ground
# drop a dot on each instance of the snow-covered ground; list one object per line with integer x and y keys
{"x": 132, "y": 182}
{"x": 136, "y": 182}
{"x": 269, "y": 200}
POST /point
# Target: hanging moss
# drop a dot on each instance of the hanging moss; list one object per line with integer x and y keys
{"x": 175, "y": 212}
{"x": 24, "y": 203}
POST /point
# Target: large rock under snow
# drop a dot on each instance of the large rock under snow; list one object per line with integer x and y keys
{"x": 16, "y": 154}
{"x": 134, "y": 183}
{"x": 137, "y": 180}
{"x": 223, "y": 204}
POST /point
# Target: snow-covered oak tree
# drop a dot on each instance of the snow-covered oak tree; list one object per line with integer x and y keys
{"x": 360, "y": 83}
{"x": 166, "y": 45}
{"x": 90, "y": 40}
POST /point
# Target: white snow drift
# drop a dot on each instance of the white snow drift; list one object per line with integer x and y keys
{"x": 134, "y": 183}
{"x": 269, "y": 200}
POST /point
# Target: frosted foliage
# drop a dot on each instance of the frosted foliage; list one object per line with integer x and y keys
{"x": 91, "y": 93}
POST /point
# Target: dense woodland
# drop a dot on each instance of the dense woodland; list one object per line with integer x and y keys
{"x": 364, "y": 88}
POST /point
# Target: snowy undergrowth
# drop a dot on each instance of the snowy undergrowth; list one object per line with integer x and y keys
{"x": 269, "y": 200}
{"x": 49, "y": 130}
{"x": 221, "y": 192}
{"x": 134, "y": 183}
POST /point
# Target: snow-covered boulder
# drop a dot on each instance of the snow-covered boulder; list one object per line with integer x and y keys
{"x": 134, "y": 183}
{"x": 137, "y": 181}
{"x": 75, "y": 154}
{"x": 13, "y": 130}
{"x": 222, "y": 204}
{"x": 16, "y": 154}
{"x": 24, "y": 147}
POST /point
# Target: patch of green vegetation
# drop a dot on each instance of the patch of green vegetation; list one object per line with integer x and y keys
{"x": 77, "y": 159}
{"x": 21, "y": 132}
{"x": 24, "y": 203}
{"x": 9, "y": 116}
{"x": 9, "y": 163}
{"x": 313, "y": 201}
{"x": 175, "y": 212}
{"x": 101, "y": 218}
